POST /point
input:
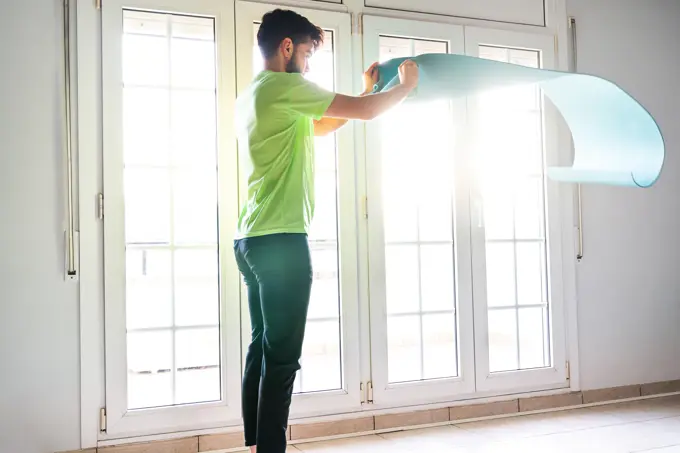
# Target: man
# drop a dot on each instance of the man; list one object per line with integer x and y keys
{"x": 277, "y": 118}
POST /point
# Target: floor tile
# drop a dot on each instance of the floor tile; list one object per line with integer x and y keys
{"x": 541, "y": 424}
{"x": 364, "y": 444}
{"x": 434, "y": 439}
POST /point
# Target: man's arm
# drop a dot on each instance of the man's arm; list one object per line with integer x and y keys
{"x": 327, "y": 125}
{"x": 373, "y": 105}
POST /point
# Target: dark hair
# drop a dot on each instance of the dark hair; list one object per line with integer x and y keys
{"x": 280, "y": 24}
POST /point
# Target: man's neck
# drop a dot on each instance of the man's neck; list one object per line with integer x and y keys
{"x": 275, "y": 65}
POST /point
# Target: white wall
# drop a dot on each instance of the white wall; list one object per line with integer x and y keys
{"x": 629, "y": 280}
{"x": 39, "y": 373}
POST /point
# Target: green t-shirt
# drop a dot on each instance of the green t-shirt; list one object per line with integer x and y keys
{"x": 274, "y": 121}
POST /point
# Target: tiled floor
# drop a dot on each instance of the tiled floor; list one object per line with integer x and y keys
{"x": 641, "y": 426}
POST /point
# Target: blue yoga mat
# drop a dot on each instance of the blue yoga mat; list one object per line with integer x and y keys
{"x": 616, "y": 140}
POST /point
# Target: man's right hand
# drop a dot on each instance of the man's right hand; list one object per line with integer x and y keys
{"x": 408, "y": 74}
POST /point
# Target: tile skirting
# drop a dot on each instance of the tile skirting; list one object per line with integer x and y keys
{"x": 406, "y": 419}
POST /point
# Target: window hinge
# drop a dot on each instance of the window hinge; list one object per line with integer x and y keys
{"x": 568, "y": 371}
{"x": 98, "y": 4}
{"x": 100, "y": 206}
{"x": 369, "y": 396}
{"x": 363, "y": 393}
{"x": 364, "y": 206}
{"x": 102, "y": 419}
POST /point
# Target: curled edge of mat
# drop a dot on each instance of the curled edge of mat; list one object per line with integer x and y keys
{"x": 638, "y": 144}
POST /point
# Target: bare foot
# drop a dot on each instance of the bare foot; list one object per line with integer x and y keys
{"x": 253, "y": 449}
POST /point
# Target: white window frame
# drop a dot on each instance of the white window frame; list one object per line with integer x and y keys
{"x": 555, "y": 376}
{"x": 426, "y": 391}
{"x": 91, "y": 237}
{"x": 122, "y": 422}
{"x": 349, "y": 397}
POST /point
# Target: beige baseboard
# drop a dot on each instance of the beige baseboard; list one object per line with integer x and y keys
{"x": 366, "y": 424}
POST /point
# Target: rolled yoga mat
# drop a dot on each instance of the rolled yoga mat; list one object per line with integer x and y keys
{"x": 616, "y": 140}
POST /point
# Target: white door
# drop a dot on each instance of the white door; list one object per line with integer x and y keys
{"x": 329, "y": 378}
{"x": 171, "y": 287}
{"x": 418, "y": 232}
{"x": 516, "y": 239}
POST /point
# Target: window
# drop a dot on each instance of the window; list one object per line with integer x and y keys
{"x": 171, "y": 235}
{"x": 170, "y": 287}
{"x": 445, "y": 286}
{"x": 417, "y": 196}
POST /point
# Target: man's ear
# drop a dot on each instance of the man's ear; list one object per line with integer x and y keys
{"x": 287, "y": 47}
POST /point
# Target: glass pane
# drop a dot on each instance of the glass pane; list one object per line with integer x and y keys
{"x": 502, "y": 340}
{"x": 530, "y": 273}
{"x": 192, "y": 63}
{"x": 324, "y": 299}
{"x": 439, "y": 346}
{"x": 145, "y": 60}
{"x": 437, "y": 277}
{"x": 500, "y": 274}
{"x": 147, "y": 206}
{"x": 148, "y": 288}
{"x": 195, "y": 206}
{"x": 498, "y": 211}
{"x": 197, "y": 358}
{"x": 149, "y": 357}
{"x": 171, "y": 227}
{"x": 532, "y": 338}
{"x": 417, "y": 218}
{"x": 510, "y": 163}
{"x": 192, "y": 263}
{"x": 194, "y": 133}
{"x": 404, "y": 359}
{"x": 529, "y": 209}
{"x": 320, "y": 357}
{"x": 199, "y": 385}
{"x": 146, "y": 126}
{"x": 197, "y": 348}
{"x": 401, "y": 269}
{"x": 196, "y": 301}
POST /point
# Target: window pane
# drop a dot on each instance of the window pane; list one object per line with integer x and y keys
{"x": 193, "y": 63}
{"x": 147, "y": 205}
{"x": 439, "y": 346}
{"x": 404, "y": 358}
{"x": 195, "y": 206}
{"x": 194, "y": 133}
{"x": 417, "y": 215}
{"x": 502, "y": 340}
{"x": 171, "y": 228}
{"x": 500, "y": 274}
{"x": 530, "y": 273}
{"x": 150, "y": 382}
{"x": 324, "y": 299}
{"x": 147, "y": 130}
{"x": 436, "y": 277}
{"x": 509, "y": 159}
{"x": 145, "y": 60}
{"x": 532, "y": 351}
{"x": 401, "y": 269}
{"x": 148, "y": 288}
{"x": 320, "y": 357}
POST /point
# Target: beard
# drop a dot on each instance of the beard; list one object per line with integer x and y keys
{"x": 292, "y": 67}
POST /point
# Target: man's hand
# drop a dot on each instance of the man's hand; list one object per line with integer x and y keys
{"x": 408, "y": 74}
{"x": 371, "y": 77}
